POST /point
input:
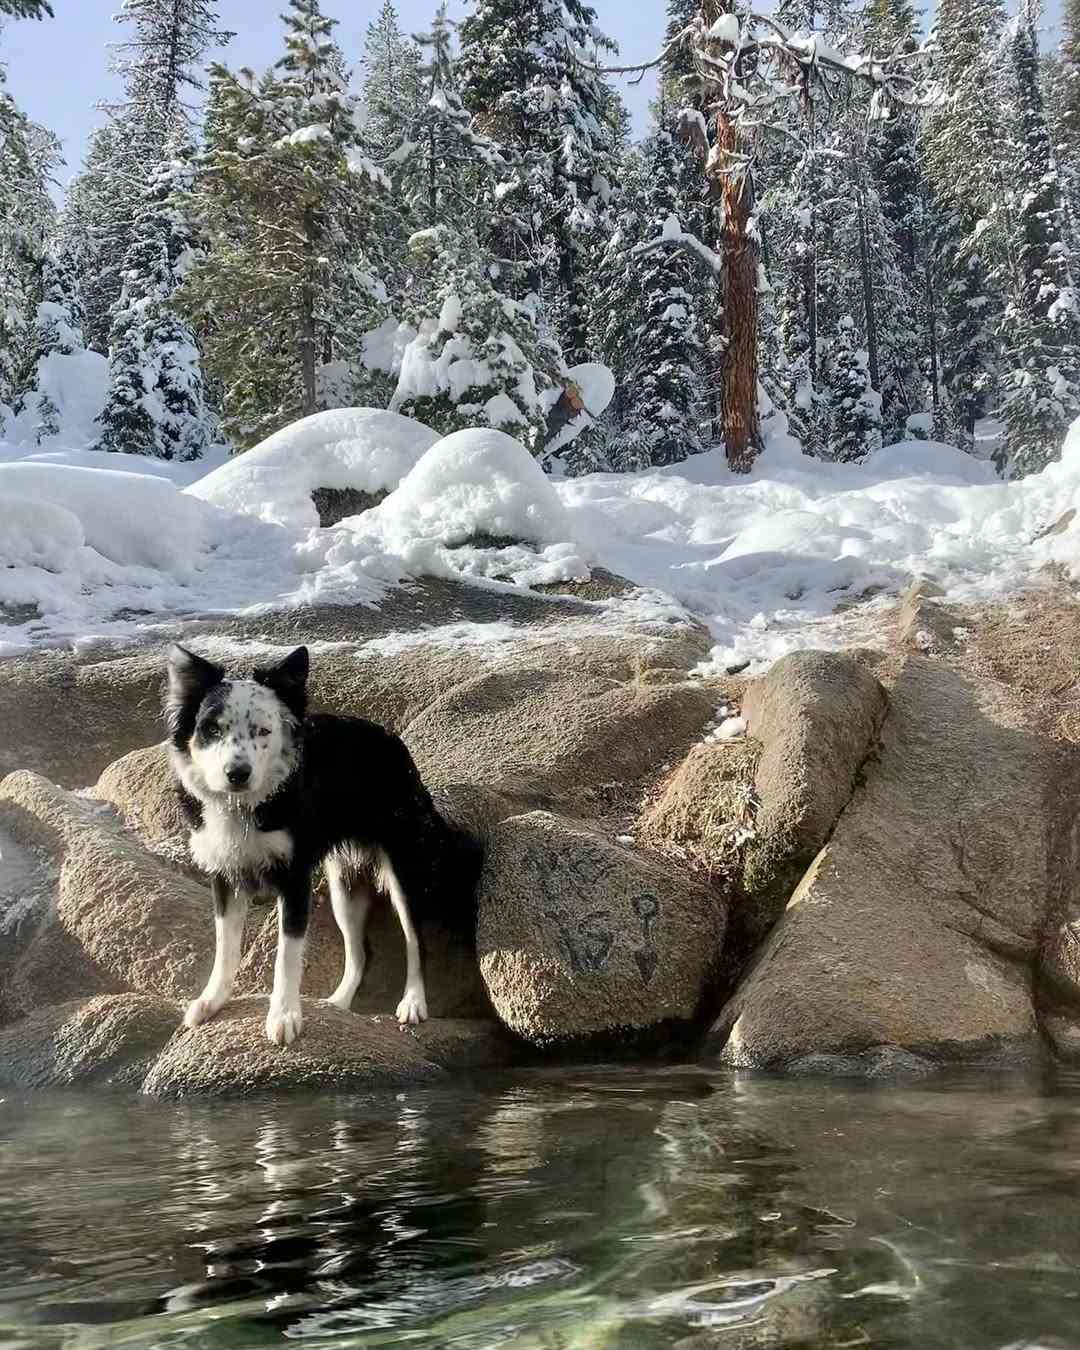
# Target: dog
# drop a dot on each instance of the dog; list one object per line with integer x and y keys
{"x": 269, "y": 793}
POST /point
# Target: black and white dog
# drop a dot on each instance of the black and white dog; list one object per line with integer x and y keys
{"x": 270, "y": 793}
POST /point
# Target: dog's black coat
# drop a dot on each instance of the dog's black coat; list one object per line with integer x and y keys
{"x": 355, "y": 787}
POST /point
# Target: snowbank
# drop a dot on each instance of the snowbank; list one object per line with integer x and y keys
{"x": 130, "y": 519}
{"x": 182, "y": 473}
{"x": 798, "y": 553}
{"x": 38, "y": 534}
{"x": 476, "y": 504}
{"x": 77, "y": 385}
{"x": 366, "y": 449}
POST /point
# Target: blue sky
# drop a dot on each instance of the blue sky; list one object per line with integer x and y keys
{"x": 57, "y": 69}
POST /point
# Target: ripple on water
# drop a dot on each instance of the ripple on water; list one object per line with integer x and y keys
{"x": 626, "y": 1208}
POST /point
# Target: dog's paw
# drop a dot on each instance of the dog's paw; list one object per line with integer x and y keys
{"x": 200, "y": 1010}
{"x": 412, "y": 1010}
{"x": 340, "y": 999}
{"x": 283, "y": 1025}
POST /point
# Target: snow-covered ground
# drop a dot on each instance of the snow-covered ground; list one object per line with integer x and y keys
{"x": 96, "y": 546}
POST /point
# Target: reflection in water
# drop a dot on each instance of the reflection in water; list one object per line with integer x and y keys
{"x": 566, "y": 1210}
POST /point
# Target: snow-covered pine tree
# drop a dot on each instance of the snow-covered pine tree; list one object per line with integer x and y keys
{"x": 524, "y": 84}
{"x": 853, "y": 406}
{"x": 447, "y": 170}
{"x": 897, "y": 230}
{"x": 478, "y": 358}
{"x": 56, "y": 327}
{"x": 665, "y": 405}
{"x": 96, "y": 223}
{"x": 26, "y": 9}
{"x": 160, "y": 62}
{"x": 301, "y": 233}
{"x": 1041, "y": 326}
{"x": 961, "y": 145}
{"x": 29, "y": 156}
{"x": 157, "y": 402}
{"x": 393, "y": 84}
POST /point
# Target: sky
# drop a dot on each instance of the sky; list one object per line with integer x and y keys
{"x": 58, "y": 69}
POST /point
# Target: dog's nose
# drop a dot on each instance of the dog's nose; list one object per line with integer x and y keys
{"x": 238, "y": 775}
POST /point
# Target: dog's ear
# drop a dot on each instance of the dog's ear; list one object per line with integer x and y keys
{"x": 188, "y": 679}
{"x": 288, "y": 679}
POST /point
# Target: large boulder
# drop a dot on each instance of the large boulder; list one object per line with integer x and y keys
{"x": 581, "y": 939}
{"x": 816, "y": 717}
{"x": 137, "y": 1041}
{"x": 119, "y": 918}
{"x": 69, "y": 715}
{"x": 338, "y": 1052}
{"x": 104, "y": 1041}
{"x": 576, "y": 736}
{"x": 917, "y": 926}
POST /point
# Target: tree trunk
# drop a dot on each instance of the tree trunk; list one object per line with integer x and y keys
{"x": 868, "y": 295}
{"x": 307, "y": 318}
{"x": 931, "y": 310}
{"x": 741, "y": 257}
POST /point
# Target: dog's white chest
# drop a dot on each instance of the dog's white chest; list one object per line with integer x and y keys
{"x": 229, "y": 843}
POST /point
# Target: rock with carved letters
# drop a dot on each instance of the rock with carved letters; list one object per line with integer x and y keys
{"x": 582, "y": 939}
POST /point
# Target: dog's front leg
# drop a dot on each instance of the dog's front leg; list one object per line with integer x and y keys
{"x": 285, "y": 1019}
{"x": 230, "y": 912}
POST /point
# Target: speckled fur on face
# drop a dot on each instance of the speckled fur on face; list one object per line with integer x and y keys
{"x": 242, "y": 725}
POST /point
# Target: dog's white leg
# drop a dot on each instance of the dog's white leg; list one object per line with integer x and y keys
{"x": 413, "y": 1006}
{"x": 350, "y": 899}
{"x": 285, "y": 1020}
{"x": 230, "y": 912}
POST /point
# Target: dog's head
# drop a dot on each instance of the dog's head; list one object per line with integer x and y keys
{"x": 235, "y": 738}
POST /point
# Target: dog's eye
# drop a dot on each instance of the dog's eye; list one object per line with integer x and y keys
{"x": 210, "y": 731}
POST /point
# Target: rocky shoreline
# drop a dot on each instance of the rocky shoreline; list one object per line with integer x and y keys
{"x": 878, "y": 878}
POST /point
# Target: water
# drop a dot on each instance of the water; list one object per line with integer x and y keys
{"x": 568, "y": 1210}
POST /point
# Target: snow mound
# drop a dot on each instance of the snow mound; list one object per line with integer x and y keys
{"x": 131, "y": 519}
{"x": 474, "y": 482}
{"x": 476, "y": 504}
{"x": 77, "y": 385}
{"x": 366, "y": 449}
{"x": 180, "y": 472}
{"x": 38, "y": 534}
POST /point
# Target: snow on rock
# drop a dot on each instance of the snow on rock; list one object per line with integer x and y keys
{"x": 477, "y": 503}
{"x": 131, "y": 519}
{"x": 595, "y": 383}
{"x": 77, "y": 385}
{"x": 366, "y": 449}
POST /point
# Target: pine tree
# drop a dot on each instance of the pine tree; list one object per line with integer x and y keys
{"x": 523, "y": 83}
{"x": 29, "y": 156}
{"x": 478, "y": 359}
{"x": 448, "y": 171}
{"x": 853, "y": 407}
{"x": 1041, "y": 327}
{"x": 157, "y": 402}
{"x": 665, "y": 354}
{"x": 963, "y": 166}
{"x": 96, "y": 225}
{"x": 56, "y": 329}
{"x": 393, "y": 82}
{"x": 300, "y": 228}
{"x": 26, "y": 9}
{"x": 160, "y": 62}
